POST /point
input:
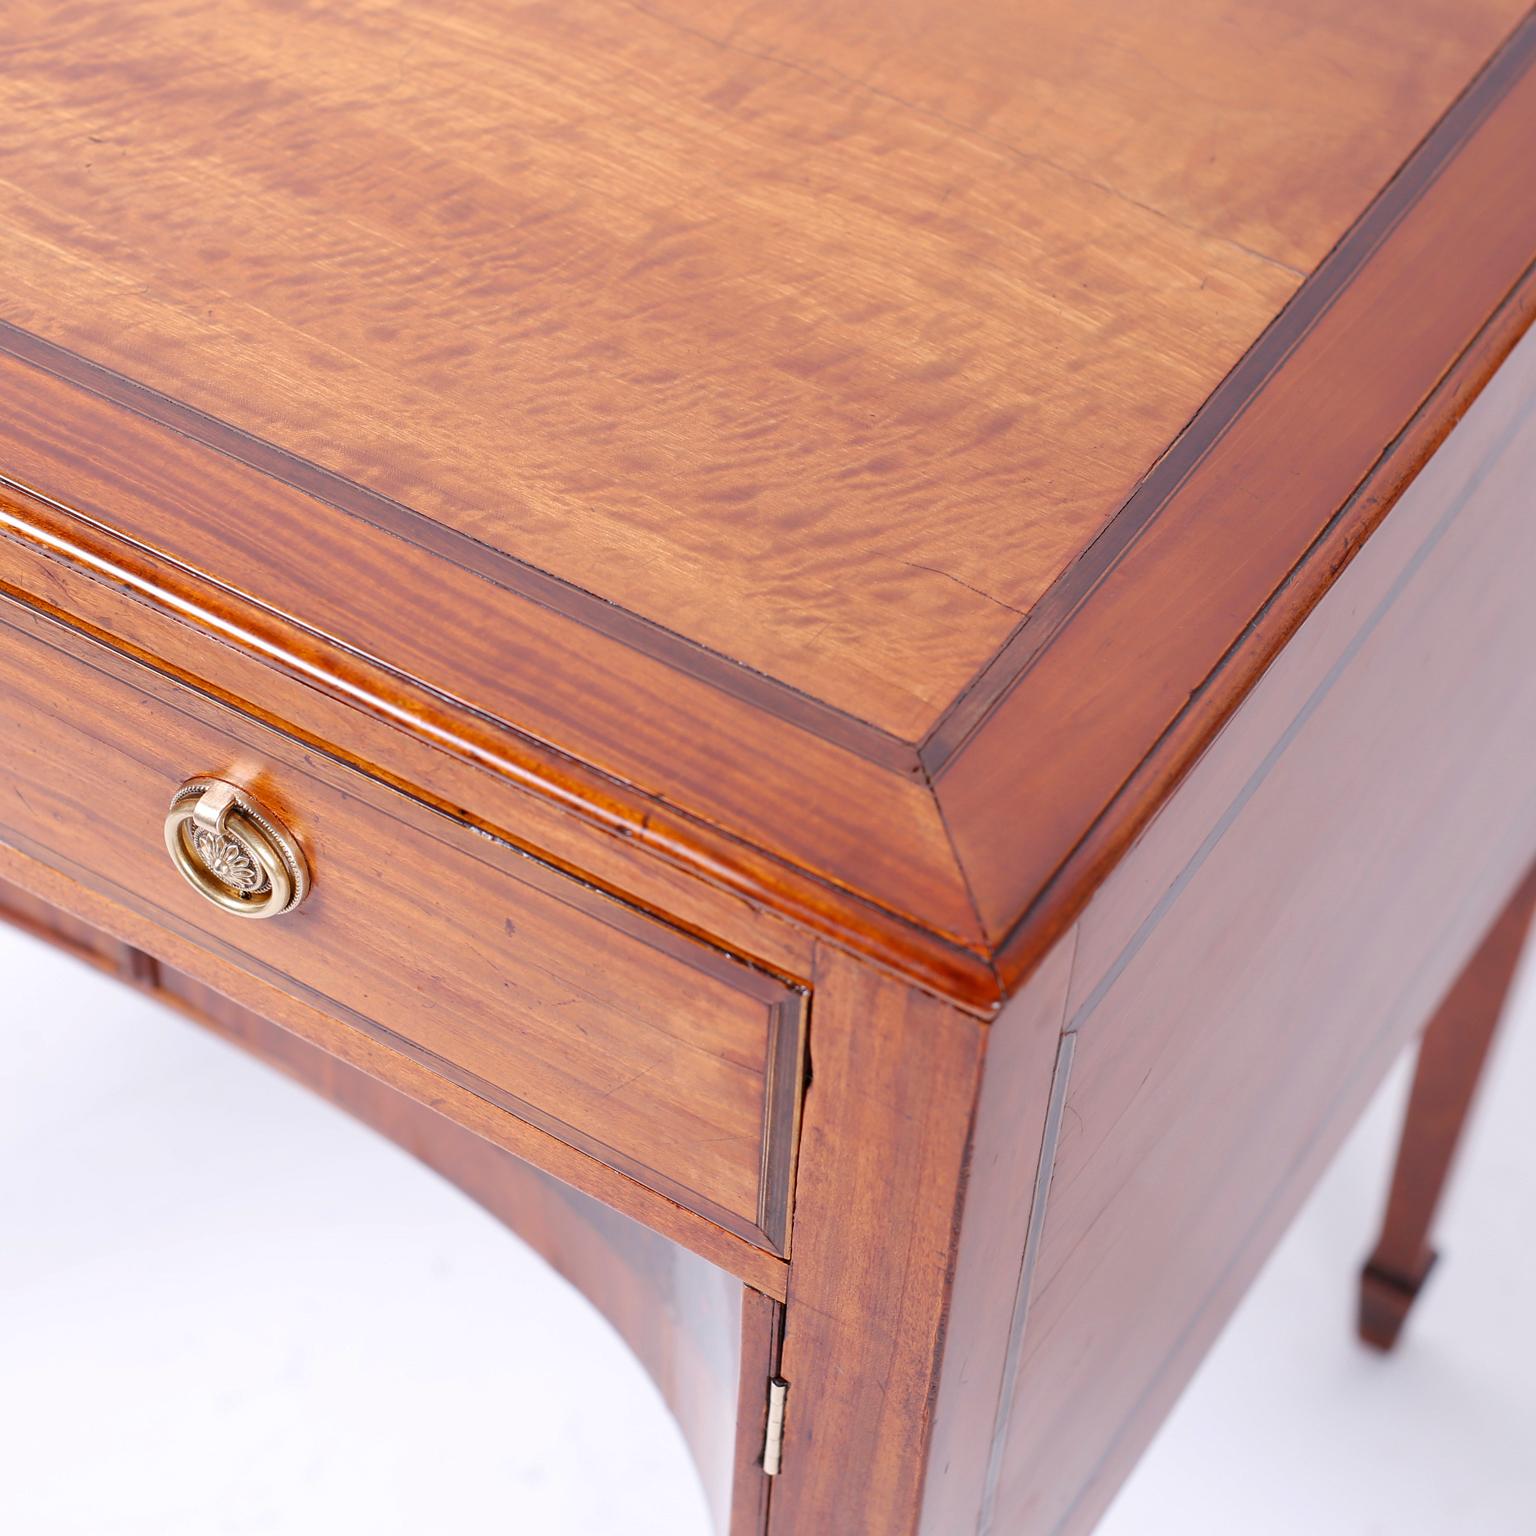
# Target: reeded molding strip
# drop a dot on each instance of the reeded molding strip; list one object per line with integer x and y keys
{"x": 43, "y": 544}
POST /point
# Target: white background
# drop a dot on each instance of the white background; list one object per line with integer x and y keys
{"x": 225, "y": 1308}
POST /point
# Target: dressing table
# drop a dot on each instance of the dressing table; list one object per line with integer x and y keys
{"x": 863, "y": 664}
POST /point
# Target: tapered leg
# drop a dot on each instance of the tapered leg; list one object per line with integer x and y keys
{"x": 1451, "y": 1058}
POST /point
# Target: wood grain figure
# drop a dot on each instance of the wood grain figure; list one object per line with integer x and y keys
{"x": 896, "y": 640}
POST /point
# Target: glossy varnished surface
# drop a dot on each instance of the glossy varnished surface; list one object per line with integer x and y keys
{"x": 823, "y": 341}
{"x": 1252, "y": 524}
{"x": 751, "y": 449}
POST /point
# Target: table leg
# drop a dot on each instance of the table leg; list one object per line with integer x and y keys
{"x": 1451, "y": 1058}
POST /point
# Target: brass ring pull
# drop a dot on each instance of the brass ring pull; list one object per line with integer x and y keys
{"x": 231, "y": 850}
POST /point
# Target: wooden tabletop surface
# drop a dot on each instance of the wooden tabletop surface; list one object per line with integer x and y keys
{"x": 803, "y": 352}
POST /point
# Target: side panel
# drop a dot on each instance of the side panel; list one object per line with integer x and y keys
{"x": 1245, "y": 978}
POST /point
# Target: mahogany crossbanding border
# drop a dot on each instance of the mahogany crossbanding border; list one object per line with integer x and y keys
{"x": 1259, "y": 515}
{"x": 1214, "y": 702}
{"x": 769, "y": 694}
{"x": 1235, "y": 394}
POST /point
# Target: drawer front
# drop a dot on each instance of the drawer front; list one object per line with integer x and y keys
{"x": 665, "y": 1058}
